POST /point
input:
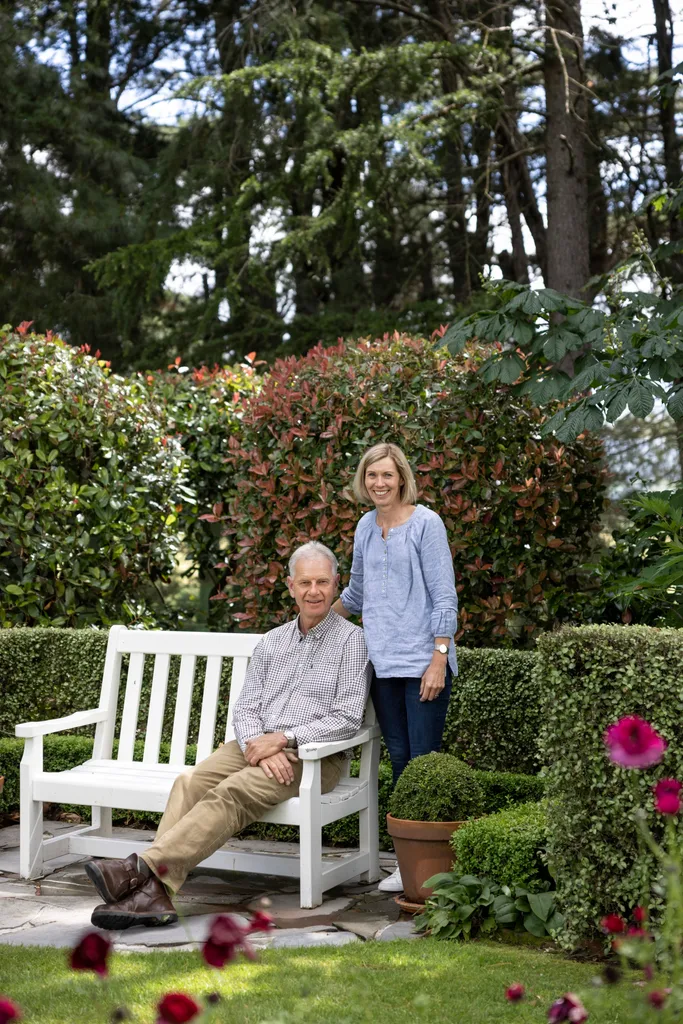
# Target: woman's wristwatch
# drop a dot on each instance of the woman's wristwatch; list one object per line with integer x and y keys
{"x": 441, "y": 648}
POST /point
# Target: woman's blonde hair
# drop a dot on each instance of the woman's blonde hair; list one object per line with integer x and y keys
{"x": 383, "y": 451}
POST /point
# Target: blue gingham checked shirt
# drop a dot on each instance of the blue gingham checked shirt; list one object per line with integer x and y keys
{"x": 316, "y": 685}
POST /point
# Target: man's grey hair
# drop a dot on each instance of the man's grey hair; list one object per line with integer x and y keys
{"x": 310, "y": 549}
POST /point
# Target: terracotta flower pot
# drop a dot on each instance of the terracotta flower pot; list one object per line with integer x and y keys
{"x": 422, "y": 850}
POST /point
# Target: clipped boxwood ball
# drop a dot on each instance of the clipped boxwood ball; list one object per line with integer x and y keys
{"x": 437, "y": 787}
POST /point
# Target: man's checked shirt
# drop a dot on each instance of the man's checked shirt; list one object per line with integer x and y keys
{"x": 316, "y": 685}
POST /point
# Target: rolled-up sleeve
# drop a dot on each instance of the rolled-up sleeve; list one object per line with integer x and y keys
{"x": 247, "y": 720}
{"x": 437, "y": 567}
{"x": 352, "y": 596}
{"x": 353, "y": 686}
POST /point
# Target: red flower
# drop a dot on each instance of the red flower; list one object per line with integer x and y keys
{"x": 570, "y": 1008}
{"x": 640, "y": 914}
{"x": 8, "y": 1011}
{"x": 261, "y": 922}
{"x": 91, "y": 954}
{"x": 667, "y": 796}
{"x": 633, "y": 743}
{"x": 176, "y": 1008}
{"x": 515, "y": 992}
{"x": 657, "y": 999}
{"x": 227, "y": 936}
{"x": 637, "y": 933}
{"x": 613, "y": 924}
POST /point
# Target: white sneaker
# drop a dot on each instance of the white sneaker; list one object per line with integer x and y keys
{"x": 392, "y": 883}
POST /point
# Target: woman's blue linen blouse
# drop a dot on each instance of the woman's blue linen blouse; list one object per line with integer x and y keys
{"x": 404, "y": 587}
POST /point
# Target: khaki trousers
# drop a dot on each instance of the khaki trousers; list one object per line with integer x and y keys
{"x": 212, "y": 801}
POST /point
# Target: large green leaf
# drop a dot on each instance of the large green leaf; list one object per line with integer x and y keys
{"x": 535, "y": 925}
{"x": 542, "y": 904}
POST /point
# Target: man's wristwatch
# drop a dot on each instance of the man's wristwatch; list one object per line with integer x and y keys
{"x": 290, "y": 736}
{"x": 441, "y": 648}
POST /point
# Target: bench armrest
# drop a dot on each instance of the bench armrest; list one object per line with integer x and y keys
{"x": 316, "y": 751}
{"x": 75, "y": 721}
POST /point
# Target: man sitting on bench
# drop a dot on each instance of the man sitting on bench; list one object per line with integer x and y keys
{"x": 307, "y": 682}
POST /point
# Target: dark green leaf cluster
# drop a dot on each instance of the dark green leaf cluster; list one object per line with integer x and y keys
{"x": 465, "y": 906}
{"x": 590, "y": 678}
{"x": 436, "y": 787}
{"x": 89, "y": 485}
{"x": 508, "y": 846}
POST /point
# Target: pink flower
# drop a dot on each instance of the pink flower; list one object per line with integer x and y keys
{"x": 633, "y": 743}
{"x": 657, "y": 999}
{"x": 613, "y": 924}
{"x": 515, "y": 992}
{"x": 176, "y": 1008}
{"x": 640, "y": 915}
{"x": 91, "y": 954}
{"x": 637, "y": 933}
{"x": 261, "y": 922}
{"x": 667, "y": 796}
{"x": 570, "y": 1008}
{"x": 8, "y": 1011}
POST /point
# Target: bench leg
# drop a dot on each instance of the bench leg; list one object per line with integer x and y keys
{"x": 31, "y": 851}
{"x": 101, "y": 820}
{"x": 310, "y": 837}
{"x": 368, "y": 822}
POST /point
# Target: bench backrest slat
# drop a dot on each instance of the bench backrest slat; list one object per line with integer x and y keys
{"x": 239, "y": 671}
{"x": 183, "y": 704}
{"x": 157, "y": 708}
{"x": 207, "y": 726}
{"x": 131, "y": 707}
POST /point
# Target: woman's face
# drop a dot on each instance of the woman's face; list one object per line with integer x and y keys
{"x": 383, "y": 483}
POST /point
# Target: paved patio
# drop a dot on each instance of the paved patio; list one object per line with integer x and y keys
{"x": 55, "y": 911}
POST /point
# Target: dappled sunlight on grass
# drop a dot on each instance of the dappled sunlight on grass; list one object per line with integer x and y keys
{"x": 404, "y": 982}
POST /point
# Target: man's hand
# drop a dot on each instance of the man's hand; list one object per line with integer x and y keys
{"x": 264, "y": 746}
{"x": 434, "y": 679}
{"x": 279, "y": 766}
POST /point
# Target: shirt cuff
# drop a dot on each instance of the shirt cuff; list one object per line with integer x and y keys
{"x": 349, "y": 604}
{"x": 444, "y": 622}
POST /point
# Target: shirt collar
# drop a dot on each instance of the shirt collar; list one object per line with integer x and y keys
{"x": 320, "y": 631}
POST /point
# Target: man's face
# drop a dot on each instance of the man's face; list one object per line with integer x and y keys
{"x": 313, "y": 586}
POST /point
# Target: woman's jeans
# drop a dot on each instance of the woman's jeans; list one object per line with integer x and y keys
{"x": 410, "y": 727}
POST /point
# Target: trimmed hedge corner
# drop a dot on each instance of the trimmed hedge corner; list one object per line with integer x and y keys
{"x": 508, "y": 847}
{"x": 592, "y": 676}
{"x": 493, "y": 717}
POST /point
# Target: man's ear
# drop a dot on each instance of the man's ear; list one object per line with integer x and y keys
{"x": 290, "y": 583}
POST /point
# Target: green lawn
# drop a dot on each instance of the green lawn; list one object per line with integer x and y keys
{"x": 366, "y": 982}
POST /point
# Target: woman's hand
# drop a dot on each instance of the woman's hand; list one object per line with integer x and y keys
{"x": 434, "y": 679}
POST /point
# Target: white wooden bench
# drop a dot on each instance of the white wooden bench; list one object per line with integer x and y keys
{"x": 104, "y": 783}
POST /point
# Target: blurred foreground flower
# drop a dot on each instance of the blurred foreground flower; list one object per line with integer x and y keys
{"x": 515, "y": 992}
{"x": 8, "y": 1011}
{"x": 91, "y": 954}
{"x": 613, "y": 924}
{"x": 633, "y": 743}
{"x": 667, "y": 796}
{"x": 570, "y": 1008}
{"x": 177, "y": 1008}
{"x": 227, "y": 936}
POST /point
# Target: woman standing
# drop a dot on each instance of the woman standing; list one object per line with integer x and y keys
{"x": 402, "y": 582}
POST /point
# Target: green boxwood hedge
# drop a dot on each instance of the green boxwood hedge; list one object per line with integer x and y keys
{"x": 591, "y": 676}
{"x": 508, "y": 847}
{"x": 493, "y": 719}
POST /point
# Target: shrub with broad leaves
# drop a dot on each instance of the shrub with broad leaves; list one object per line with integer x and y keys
{"x": 90, "y": 487}
{"x": 520, "y": 510}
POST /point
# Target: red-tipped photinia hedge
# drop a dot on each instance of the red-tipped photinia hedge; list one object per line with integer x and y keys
{"x": 520, "y": 509}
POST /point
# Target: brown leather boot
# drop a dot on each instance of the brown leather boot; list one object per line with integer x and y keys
{"x": 148, "y": 905}
{"x": 114, "y": 878}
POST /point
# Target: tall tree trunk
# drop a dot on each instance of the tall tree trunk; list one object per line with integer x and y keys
{"x": 667, "y": 119}
{"x": 566, "y": 176}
